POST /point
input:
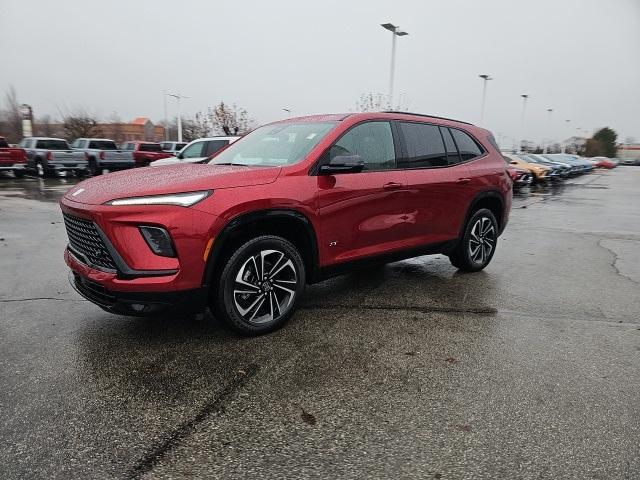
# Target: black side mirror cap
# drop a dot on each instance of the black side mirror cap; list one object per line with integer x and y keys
{"x": 343, "y": 164}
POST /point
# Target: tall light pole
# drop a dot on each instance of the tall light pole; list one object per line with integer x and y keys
{"x": 178, "y": 97}
{"x": 486, "y": 78}
{"x": 564, "y": 144}
{"x": 395, "y": 32}
{"x": 546, "y": 144}
{"x": 525, "y": 97}
{"x": 166, "y": 120}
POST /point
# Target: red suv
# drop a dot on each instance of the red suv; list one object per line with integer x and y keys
{"x": 291, "y": 203}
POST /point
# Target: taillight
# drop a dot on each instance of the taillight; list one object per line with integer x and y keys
{"x": 101, "y": 155}
{"x": 49, "y": 156}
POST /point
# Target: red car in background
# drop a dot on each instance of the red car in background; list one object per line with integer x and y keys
{"x": 604, "y": 162}
{"x": 145, "y": 152}
{"x": 290, "y": 203}
{"x": 12, "y": 159}
{"x": 519, "y": 177}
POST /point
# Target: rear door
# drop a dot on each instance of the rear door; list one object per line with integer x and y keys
{"x": 363, "y": 213}
{"x": 438, "y": 182}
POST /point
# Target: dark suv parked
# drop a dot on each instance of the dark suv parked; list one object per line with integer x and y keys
{"x": 291, "y": 203}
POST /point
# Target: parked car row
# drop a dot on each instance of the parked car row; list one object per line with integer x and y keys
{"x": 552, "y": 167}
{"x": 47, "y": 157}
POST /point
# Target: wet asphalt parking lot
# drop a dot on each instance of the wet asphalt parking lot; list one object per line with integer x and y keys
{"x": 529, "y": 369}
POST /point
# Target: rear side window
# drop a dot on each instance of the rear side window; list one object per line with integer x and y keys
{"x": 425, "y": 147}
{"x": 214, "y": 145}
{"x": 150, "y": 147}
{"x": 450, "y": 146}
{"x": 195, "y": 150}
{"x": 52, "y": 145}
{"x": 372, "y": 141}
{"x": 102, "y": 145}
{"x": 467, "y": 146}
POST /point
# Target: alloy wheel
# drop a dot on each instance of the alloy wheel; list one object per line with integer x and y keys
{"x": 482, "y": 240}
{"x": 265, "y": 286}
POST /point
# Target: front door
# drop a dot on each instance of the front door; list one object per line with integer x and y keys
{"x": 363, "y": 213}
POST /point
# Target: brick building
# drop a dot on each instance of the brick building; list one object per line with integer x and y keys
{"x": 140, "y": 128}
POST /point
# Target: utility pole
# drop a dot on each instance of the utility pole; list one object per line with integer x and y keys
{"x": 166, "y": 121}
{"x": 524, "y": 107}
{"x": 548, "y": 142}
{"x": 486, "y": 78}
{"x": 178, "y": 97}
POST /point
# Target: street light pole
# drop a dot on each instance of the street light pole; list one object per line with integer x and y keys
{"x": 178, "y": 97}
{"x": 166, "y": 120}
{"x": 395, "y": 32}
{"x": 524, "y": 107}
{"x": 548, "y": 142}
{"x": 486, "y": 78}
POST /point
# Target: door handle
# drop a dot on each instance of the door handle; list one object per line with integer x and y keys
{"x": 463, "y": 181}
{"x": 392, "y": 186}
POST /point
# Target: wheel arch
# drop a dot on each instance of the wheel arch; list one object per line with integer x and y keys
{"x": 490, "y": 199}
{"x": 286, "y": 223}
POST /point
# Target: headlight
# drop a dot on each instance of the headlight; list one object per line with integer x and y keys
{"x": 181, "y": 199}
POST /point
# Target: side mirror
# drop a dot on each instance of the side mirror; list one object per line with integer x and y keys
{"x": 179, "y": 155}
{"x": 343, "y": 164}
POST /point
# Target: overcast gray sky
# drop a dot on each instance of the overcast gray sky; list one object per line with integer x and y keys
{"x": 580, "y": 57}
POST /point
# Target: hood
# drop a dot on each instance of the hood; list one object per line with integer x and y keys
{"x": 139, "y": 182}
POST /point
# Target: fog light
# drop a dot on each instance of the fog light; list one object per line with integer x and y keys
{"x": 159, "y": 241}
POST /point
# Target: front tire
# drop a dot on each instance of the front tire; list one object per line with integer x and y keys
{"x": 478, "y": 244}
{"x": 93, "y": 168}
{"x": 260, "y": 285}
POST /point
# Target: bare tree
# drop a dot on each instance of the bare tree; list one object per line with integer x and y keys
{"x": 11, "y": 118}
{"x": 229, "y": 119}
{"x": 80, "y": 124}
{"x": 377, "y": 102}
{"x": 44, "y": 127}
{"x": 197, "y": 127}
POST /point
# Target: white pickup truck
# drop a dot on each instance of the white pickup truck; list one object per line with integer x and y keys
{"x": 103, "y": 154}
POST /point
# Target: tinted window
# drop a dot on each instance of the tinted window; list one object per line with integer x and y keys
{"x": 166, "y": 146}
{"x": 467, "y": 147}
{"x": 372, "y": 141}
{"x": 103, "y": 145}
{"x": 450, "y": 146}
{"x": 424, "y": 146}
{"x": 180, "y": 146}
{"x": 4, "y": 144}
{"x": 150, "y": 147}
{"x": 214, "y": 145}
{"x": 52, "y": 145}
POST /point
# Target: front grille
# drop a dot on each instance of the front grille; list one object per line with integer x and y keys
{"x": 85, "y": 239}
{"x": 94, "y": 291}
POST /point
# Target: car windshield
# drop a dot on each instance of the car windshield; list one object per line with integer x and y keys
{"x": 274, "y": 145}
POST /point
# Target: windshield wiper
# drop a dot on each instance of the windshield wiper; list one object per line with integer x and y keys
{"x": 230, "y": 163}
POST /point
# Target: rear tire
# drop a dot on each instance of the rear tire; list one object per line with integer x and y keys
{"x": 478, "y": 244}
{"x": 260, "y": 285}
{"x": 42, "y": 171}
{"x": 18, "y": 173}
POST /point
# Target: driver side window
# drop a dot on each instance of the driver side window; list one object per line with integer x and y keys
{"x": 372, "y": 141}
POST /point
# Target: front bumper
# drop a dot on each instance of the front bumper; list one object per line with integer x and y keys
{"x": 13, "y": 167}
{"x": 139, "y": 304}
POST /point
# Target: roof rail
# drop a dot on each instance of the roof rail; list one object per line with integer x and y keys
{"x": 425, "y": 115}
